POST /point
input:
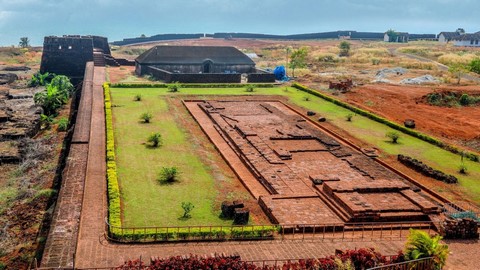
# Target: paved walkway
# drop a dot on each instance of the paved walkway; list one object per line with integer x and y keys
{"x": 94, "y": 251}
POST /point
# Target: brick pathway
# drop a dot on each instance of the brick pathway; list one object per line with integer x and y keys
{"x": 94, "y": 251}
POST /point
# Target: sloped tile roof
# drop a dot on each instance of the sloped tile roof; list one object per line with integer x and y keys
{"x": 194, "y": 55}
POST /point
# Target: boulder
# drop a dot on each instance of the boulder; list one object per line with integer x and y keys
{"x": 409, "y": 123}
{"x": 7, "y": 78}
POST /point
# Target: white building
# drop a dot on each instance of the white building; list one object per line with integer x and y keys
{"x": 467, "y": 40}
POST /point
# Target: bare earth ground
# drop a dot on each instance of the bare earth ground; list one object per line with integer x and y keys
{"x": 398, "y": 103}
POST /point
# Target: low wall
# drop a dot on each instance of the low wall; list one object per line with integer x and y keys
{"x": 261, "y": 76}
{"x": 465, "y": 228}
{"x": 193, "y": 77}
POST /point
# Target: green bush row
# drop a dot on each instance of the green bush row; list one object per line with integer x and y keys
{"x": 191, "y": 85}
{"x": 421, "y": 136}
{"x": 114, "y": 210}
{"x": 193, "y": 233}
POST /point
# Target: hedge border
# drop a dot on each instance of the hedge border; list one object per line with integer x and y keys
{"x": 190, "y": 85}
{"x": 114, "y": 208}
{"x": 118, "y": 233}
{"x": 372, "y": 116}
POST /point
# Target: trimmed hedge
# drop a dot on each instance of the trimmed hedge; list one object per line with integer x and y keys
{"x": 114, "y": 210}
{"x": 372, "y": 116}
{"x": 216, "y": 233}
{"x": 191, "y": 85}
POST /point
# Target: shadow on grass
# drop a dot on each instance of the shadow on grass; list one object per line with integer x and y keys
{"x": 182, "y": 218}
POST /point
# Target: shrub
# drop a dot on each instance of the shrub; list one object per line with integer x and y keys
{"x": 155, "y": 139}
{"x": 168, "y": 175}
{"x": 62, "y": 124}
{"x": 174, "y": 87}
{"x": 46, "y": 121}
{"x": 349, "y": 117}
{"x": 249, "y": 89}
{"x": 393, "y": 135}
{"x": 462, "y": 169}
{"x": 187, "y": 208}
{"x": 137, "y": 97}
{"x": 475, "y": 65}
{"x": 146, "y": 117}
{"x": 421, "y": 245}
{"x": 375, "y": 61}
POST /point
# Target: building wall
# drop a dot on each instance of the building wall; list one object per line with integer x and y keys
{"x": 168, "y": 77}
{"x": 66, "y": 55}
{"x": 442, "y": 39}
{"x": 467, "y": 43}
{"x": 198, "y": 68}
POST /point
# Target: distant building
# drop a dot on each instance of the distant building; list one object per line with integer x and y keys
{"x": 199, "y": 64}
{"x": 445, "y": 37}
{"x": 467, "y": 40}
{"x": 400, "y": 37}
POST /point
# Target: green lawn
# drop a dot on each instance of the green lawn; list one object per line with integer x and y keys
{"x": 145, "y": 202}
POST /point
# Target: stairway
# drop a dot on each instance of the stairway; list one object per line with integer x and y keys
{"x": 98, "y": 59}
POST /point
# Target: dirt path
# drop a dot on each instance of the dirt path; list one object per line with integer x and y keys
{"x": 94, "y": 251}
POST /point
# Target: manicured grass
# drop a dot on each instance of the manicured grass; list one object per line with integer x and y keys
{"x": 152, "y": 194}
{"x": 145, "y": 202}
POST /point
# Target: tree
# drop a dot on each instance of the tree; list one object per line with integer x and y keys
{"x": 298, "y": 59}
{"x": 460, "y": 31}
{"x": 143, "y": 36}
{"x": 421, "y": 245}
{"x": 344, "y": 48}
{"x": 24, "y": 42}
{"x": 392, "y": 35}
{"x": 458, "y": 70}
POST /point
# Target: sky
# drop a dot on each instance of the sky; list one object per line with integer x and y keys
{"x": 118, "y": 19}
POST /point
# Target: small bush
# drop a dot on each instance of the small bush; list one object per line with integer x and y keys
{"x": 62, "y": 124}
{"x": 249, "y": 89}
{"x": 187, "y": 208}
{"x": 146, "y": 117}
{"x": 349, "y": 117}
{"x": 475, "y": 65}
{"x": 137, "y": 97}
{"x": 155, "y": 139}
{"x": 46, "y": 121}
{"x": 375, "y": 61}
{"x": 174, "y": 87}
{"x": 462, "y": 169}
{"x": 168, "y": 175}
{"x": 393, "y": 135}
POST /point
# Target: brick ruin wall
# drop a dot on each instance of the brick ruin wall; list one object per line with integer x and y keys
{"x": 311, "y": 177}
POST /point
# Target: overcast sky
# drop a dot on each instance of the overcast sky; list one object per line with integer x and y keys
{"x": 118, "y": 19}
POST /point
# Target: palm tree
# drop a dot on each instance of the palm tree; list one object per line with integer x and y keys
{"x": 421, "y": 245}
{"x": 24, "y": 42}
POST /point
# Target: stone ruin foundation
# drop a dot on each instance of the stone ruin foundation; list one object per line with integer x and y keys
{"x": 309, "y": 176}
{"x": 19, "y": 118}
